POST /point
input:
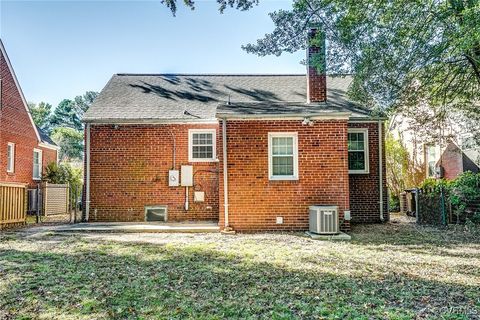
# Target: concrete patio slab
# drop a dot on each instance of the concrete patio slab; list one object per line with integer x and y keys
{"x": 133, "y": 227}
{"x": 341, "y": 236}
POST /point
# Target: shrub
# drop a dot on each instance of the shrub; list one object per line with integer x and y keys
{"x": 463, "y": 194}
{"x": 63, "y": 173}
{"x": 393, "y": 203}
{"x": 464, "y": 191}
{"x": 435, "y": 185}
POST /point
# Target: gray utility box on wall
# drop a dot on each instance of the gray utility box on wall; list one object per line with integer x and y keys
{"x": 186, "y": 176}
{"x": 323, "y": 220}
{"x": 173, "y": 176}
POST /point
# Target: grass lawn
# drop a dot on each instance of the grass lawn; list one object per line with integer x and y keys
{"x": 391, "y": 271}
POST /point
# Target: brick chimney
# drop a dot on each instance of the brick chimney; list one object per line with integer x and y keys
{"x": 316, "y": 65}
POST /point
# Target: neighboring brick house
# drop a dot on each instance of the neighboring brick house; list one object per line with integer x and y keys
{"x": 451, "y": 161}
{"x": 24, "y": 149}
{"x": 291, "y": 141}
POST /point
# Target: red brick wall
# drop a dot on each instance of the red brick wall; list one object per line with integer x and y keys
{"x": 129, "y": 170}
{"x": 364, "y": 189}
{"x": 452, "y": 161}
{"x": 48, "y": 155}
{"x": 16, "y": 127}
{"x": 255, "y": 201}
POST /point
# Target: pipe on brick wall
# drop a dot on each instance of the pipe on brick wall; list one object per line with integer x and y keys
{"x": 174, "y": 149}
{"x": 380, "y": 168}
{"x": 225, "y": 176}
{"x": 87, "y": 171}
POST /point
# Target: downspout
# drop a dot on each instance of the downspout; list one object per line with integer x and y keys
{"x": 380, "y": 168}
{"x": 87, "y": 171}
{"x": 225, "y": 173}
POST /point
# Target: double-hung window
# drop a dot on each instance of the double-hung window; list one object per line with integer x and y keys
{"x": 10, "y": 157}
{"x": 37, "y": 164}
{"x": 283, "y": 156}
{"x": 201, "y": 145}
{"x": 358, "y": 151}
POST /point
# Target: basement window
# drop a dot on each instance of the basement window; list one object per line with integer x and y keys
{"x": 358, "y": 151}
{"x": 156, "y": 213}
{"x": 201, "y": 145}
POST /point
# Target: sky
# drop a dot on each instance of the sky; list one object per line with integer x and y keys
{"x": 60, "y": 49}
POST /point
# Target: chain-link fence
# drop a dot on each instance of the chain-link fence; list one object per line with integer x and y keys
{"x": 434, "y": 207}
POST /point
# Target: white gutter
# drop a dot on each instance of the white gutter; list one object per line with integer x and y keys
{"x": 87, "y": 171}
{"x": 380, "y": 167}
{"x": 225, "y": 171}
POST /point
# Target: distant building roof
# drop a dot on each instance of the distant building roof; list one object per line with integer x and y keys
{"x": 190, "y": 97}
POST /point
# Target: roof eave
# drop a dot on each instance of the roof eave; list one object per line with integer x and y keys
{"x": 368, "y": 118}
{"x": 147, "y": 121}
{"x": 286, "y": 116}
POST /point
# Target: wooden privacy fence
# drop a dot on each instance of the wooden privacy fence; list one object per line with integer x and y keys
{"x": 13, "y": 203}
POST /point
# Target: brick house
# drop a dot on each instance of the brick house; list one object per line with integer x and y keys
{"x": 262, "y": 149}
{"x": 24, "y": 149}
{"x": 451, "y": 161}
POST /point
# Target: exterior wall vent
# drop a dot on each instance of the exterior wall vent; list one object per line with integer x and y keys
{"x": 156, "y": 213}
{"x": 323, "y": 219}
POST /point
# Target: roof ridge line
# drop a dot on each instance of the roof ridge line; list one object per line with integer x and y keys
{"x": 212, "y": 74}
{"x": 227, "y": 74}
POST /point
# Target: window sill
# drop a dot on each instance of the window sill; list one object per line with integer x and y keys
{"x": 283, "y": 179}
{"x": 358, "y": 172}
{"x": 203, "y": 160}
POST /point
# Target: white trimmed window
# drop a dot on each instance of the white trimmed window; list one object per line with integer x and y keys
{"x": 10, "y": 157}
{"x": 283, "y": 156}
{"x": 201, "y": 145}
{"x": 358, "y": 151}
{"x": 37, "y": 164}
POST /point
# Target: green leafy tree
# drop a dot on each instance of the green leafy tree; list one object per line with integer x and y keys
{"x": 402, "y": 170}
{"x": 70, "y": 141}
{"x": 402, "y": 53}
{"x": 397, "y": 162}
{"x": 64, "y": 115}
{"x": 223, "y": 4}
{"x": 83, "y": 102}
{"x": 69, "y": 113}
{"x": 41, "y": 114}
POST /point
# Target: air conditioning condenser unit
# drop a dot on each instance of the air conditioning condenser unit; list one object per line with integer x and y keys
{"x": 323, "y": 220}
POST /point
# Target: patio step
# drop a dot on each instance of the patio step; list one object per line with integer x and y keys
{"x": 140, "y": 227}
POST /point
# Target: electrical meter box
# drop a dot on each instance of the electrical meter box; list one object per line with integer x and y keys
{"x": 187, "y": 176}
{"x": 173, "y": 177}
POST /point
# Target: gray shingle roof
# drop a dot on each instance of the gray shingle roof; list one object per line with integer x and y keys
{"x": 45, "y": 137}
{"x": 192, "y": 97}
{"x": 245, "y": 110}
